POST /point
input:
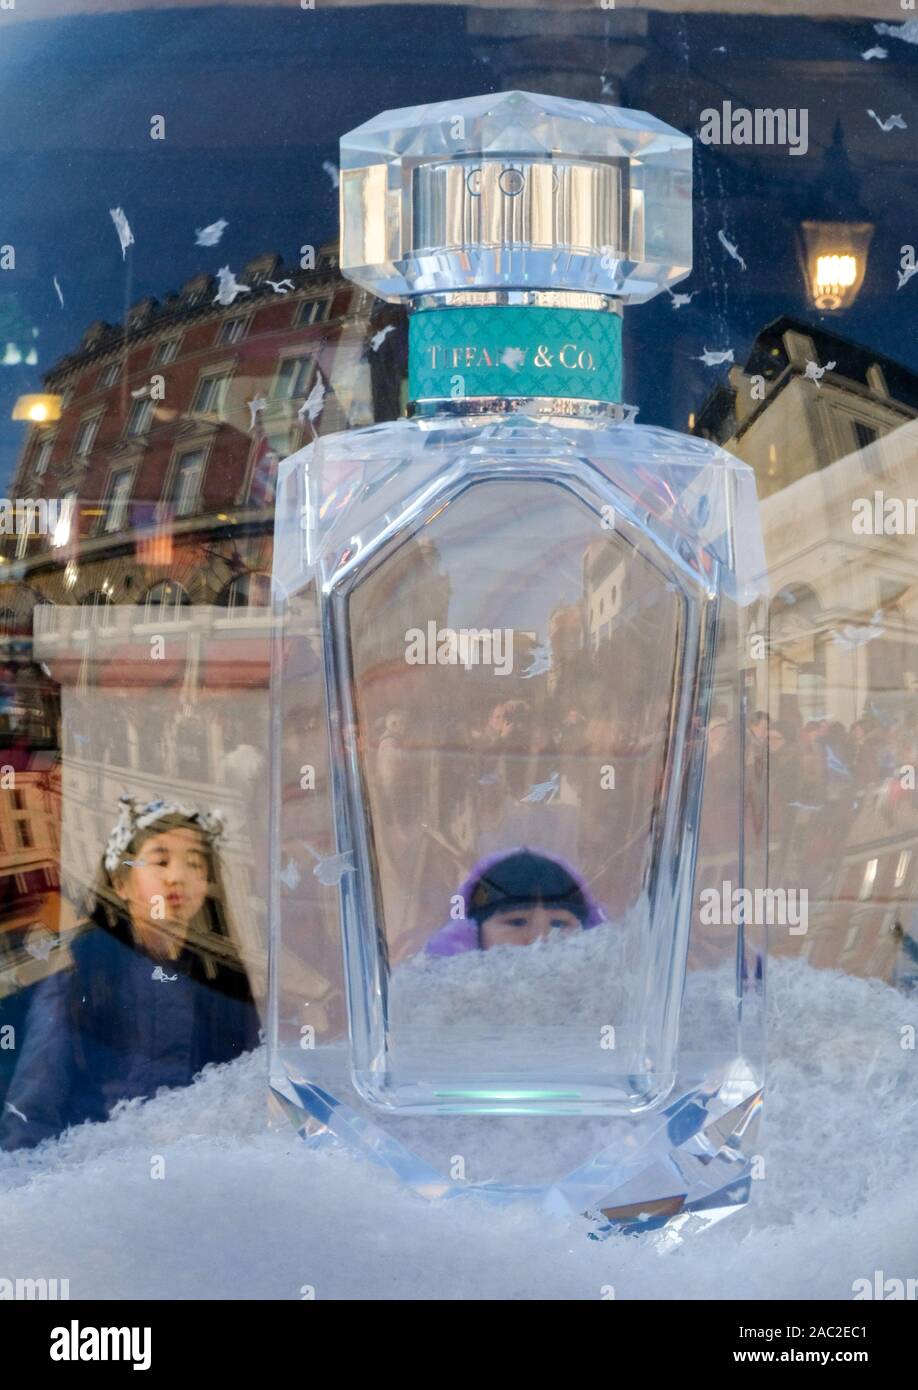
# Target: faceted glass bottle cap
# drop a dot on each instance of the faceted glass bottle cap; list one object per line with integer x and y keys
{"x": 516, "y": 192}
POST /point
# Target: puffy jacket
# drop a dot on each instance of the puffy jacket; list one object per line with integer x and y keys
{"x": 110, "y": 1029}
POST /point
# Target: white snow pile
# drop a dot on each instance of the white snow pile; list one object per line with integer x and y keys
{"x": 579, "y": 978}
{"x": 243, "y": 1212}
{"x": 535, "y": 1018}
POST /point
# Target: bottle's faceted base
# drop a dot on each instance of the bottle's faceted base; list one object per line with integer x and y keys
{"x": 692, "y": 1162}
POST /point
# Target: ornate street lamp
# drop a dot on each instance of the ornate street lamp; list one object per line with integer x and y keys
{"x": 835, "y": 239}
{"x": 835, "y": 259}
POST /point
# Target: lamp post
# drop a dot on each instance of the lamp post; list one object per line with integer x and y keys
{"x": 835, "y": 260}
{"x": 835, "y": 240}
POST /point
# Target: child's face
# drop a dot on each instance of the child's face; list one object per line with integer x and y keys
{"x": 170, "y": 866}
{"x": 521, "y": 926}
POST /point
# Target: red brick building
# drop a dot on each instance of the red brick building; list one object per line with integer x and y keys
{"x": 158, "y": 446}
{"x": 169, "y": 432}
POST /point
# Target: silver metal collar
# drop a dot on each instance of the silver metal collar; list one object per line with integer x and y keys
{"x": 521, "y": 405}
{"x": 541, "y": 299}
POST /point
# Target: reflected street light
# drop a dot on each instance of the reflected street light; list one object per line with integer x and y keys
{"x": 835, "y": 259}
{"x": 835, "y": 238}
{"x": 39, "y": 409}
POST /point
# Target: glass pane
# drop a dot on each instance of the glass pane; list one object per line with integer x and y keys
{"x": 196, "y": 400}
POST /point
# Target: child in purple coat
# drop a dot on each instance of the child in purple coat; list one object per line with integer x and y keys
{"x": 514, "y": 899}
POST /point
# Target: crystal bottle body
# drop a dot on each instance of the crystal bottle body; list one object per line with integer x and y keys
{"x": 521, "y": 644}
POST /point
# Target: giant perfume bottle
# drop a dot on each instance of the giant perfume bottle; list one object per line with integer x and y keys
{"x": 519, "y": 810}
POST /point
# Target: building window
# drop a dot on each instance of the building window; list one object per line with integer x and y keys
{"x": 352, "y": 388}
{"x": 166, "y": 602}
{"x": 110, "y": 373}
{"x": 263, "y": 482}
{"x": 97, "y": 611}
{"x": 188, "y": 476}
{"x": 28, "y": 524}
{"x": 864, "y": 436}
{"x": 86, "y": 435}
{"x": 891, "y": 655}
{"x": 293, "y": 377}
{"x": 65, "y": 522}
{"x": 870, "y": 877}
{"x": 43, "y": 456}
{"x": 246, "y": 591}
{"x": 140, "y": 416}
{"x": 902, "y": 867}
{"x": 44, "y": 618}
{"x": 166, "y": 352}
{"x": 314, "y": 311}
{"x": 231, "y": 330}
{"x": 191, "y": 748}
{"x": 116, "y": 520}
{"x": 210, "y": 397}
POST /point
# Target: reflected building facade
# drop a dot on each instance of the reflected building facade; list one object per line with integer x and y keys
{"x": 831, "y": 430}
{"x": 152, "y": 616}
{"x": 147, "y": 621}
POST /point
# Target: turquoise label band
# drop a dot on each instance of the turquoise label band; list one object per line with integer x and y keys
{"x": 514, "y": 350}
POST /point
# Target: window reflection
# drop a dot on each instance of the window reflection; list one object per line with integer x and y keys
{"x": 834, "y": 457}
{"x": 176, "y": 409}
{"x": 96, "y": 611}
{"x": 165, "y": 602}
{"x": 248, "y": 591}
{"x": 188, "y": 475}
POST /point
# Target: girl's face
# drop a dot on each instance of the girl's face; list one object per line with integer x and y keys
{"x": 168, "y": 879}
{"x": 521, "y": 926}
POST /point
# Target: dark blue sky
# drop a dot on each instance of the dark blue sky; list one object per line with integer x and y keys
{"x": 255, "y": 100}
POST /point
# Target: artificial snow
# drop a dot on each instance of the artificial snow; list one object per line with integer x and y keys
{"x": 242, "y": 1212}
{"x": 587, "y": 976}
